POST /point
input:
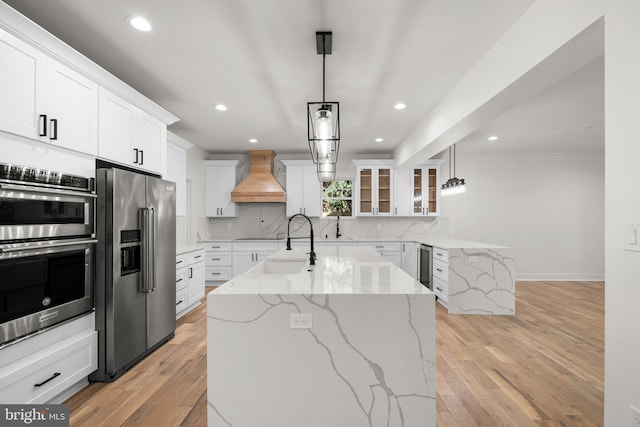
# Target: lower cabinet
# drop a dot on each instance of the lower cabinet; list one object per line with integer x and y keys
{"x": 190, "y": 269}
{"x": 247, "y": 255}
{"x": 49, "y": 367}
{"x": 410, "y": 255}
{"x": 441, "y": 275}
{"x": 389, "y": 250}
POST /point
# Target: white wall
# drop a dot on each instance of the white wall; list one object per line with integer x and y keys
{"x": 187, "y": 226}
{"x": 549, "y": 207}
{"x": 622, "y": 201}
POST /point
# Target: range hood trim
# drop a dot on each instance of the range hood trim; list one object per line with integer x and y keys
{"x": 260, "y": 186}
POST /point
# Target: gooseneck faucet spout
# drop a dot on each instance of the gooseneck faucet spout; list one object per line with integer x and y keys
{"x": 312, "y": 254}
{"x": 338, "y": 228}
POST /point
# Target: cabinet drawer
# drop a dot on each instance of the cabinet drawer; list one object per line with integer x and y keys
{"x": 194, "y": 257}
{"x": 441, "y": 270}
{"x": 181, "y": 260}
{"x": 383, "y": 246}
{"x": 440, "y": 254}
{"x": 181, "y": 300}
{"x": 441, "y": 289}
{"x": 217, "y": 274}
{"x": 181, "y": 278}
{"x": 216, "y": 246}
{"x": 256, "y": 247}
{"x": 215, "y": 259}
{"x": 49, "y": 372}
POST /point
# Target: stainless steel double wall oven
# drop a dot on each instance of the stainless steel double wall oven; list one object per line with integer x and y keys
{"x": 47, "y": 244}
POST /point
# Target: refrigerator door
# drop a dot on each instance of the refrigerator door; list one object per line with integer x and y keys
{"x": 126, "y": 320}
{"x": 161, "y": 300}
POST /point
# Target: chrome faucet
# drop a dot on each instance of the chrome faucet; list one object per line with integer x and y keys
{"x": 338, "y": 228}
{"x": 312, "y": 254}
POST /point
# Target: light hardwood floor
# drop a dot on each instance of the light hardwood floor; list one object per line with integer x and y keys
{"x": 542, "y": 367}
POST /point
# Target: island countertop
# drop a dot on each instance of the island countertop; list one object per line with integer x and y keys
{"x": 338, "y": 270}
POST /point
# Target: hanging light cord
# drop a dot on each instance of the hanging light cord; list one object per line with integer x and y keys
{"x": 324, "y": 54}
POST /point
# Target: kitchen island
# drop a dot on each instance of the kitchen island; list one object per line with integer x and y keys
{"x": 347, "y": 342}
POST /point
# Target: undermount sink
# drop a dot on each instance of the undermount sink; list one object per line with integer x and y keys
{"x": 280, "y": 266}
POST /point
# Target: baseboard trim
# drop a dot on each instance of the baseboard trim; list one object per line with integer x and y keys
{"x": 560, "y": 277}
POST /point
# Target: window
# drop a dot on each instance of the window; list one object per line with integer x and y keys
{"x": 337, "y": 198}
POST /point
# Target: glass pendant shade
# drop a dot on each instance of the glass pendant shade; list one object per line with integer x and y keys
{"x": 323, "y": 125}
{"x": 326, "y": 172}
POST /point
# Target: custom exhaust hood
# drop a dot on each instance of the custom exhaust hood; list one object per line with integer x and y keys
{"x": 260, "y": 186}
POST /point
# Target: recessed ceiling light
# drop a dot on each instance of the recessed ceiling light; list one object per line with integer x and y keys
{"x": 492, "y": 138}
{"x": 379, "y": 139}
{"x": 221, "y": 107}
{"x": 400, "y": 106}
{"x": 253, "y": 140}
{"x": 139, "y": 23}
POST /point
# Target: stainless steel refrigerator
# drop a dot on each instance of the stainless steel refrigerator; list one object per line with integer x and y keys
{"x": 135, "y": 268}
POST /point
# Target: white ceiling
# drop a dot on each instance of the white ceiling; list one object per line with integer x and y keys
{"x": 258, "y": 57}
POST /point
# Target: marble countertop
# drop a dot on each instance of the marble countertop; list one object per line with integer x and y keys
{"x": 338, "y": 270}
{"x": 440, "y": 243}
{"x": 186, "y": 249}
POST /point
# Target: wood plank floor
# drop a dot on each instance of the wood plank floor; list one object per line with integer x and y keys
{"x": 542, "y": 367}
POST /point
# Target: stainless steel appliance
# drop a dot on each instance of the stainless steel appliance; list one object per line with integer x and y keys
{"x": 426, "y": 266}
{"x": 47, "y": 243}
{"x": 136, "y": 275}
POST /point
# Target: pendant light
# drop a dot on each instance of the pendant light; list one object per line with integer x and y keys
{"x": 326, "y": 172}
{"x": 323, "y": 118}
{"x": 453, "y": 185}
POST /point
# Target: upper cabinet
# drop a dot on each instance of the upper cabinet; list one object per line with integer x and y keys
{"x": 221, "y": 177}
{"x": 177, "y": 169}
{"x": 130, "y": 136}
{"x": 303, "y": 188}
{"x": 45, "y": 100}
{"x": 425, "y": 194}
{"x": 374, "y": 187}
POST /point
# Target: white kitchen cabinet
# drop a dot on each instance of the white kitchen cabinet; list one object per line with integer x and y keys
{"x": 247, "y": 255}
{"x": 59, "y": 359}
{"x": 190, "y": 268}
{"x": 402, "y": 193}
{"x": 425, "y": 191}
{"x": 221, "y": 177}
{"x": 441, "y": 275}
{"x": 130, "y": 136}
{"x": 374, "y": 187}
{"x": 389, "y": 250}
{"x": 177, "y": 169}
{"x": 303, "y": 188}
{"x": 218, "y": 262}
{"x": 45, "y": 100}
{"x": 410, "y": 256}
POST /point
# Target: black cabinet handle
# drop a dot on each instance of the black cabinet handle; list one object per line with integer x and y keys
{"x": 440, "y": 289}
{"x": 57, "y": 374}
{"x": 197, "y": 256}
{"x": 190, "y": 273}
{"x": 136, "y": 161}
{"x": 179, "y": 302}
{"x": 215, "y": 274}
{"x": 142, "y": 157}
{"x": 438, "y": 269}
{"x": 43, "y": 125}
{"x": 179, "y": 262}
{"x": 215, "y": 259}
{"x": 54, "y": 132}
{"x": 179, "y": 280}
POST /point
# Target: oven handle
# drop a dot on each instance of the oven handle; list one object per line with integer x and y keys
{"x": 31, "y": 249}
{"x": 52, "y": 191}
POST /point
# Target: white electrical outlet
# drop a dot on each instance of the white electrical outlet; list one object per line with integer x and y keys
{"x": 631, "y": 236}
{"x": 300, "y": 321}
{"x": 634, "y": 416}
{"x": 473, "y": 258}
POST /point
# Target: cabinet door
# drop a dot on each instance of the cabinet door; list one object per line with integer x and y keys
{"x": 384, "y": 194}
{"x": 295, "y": 189}
{"x": 311, "y": 189}
{"x": 149, "y": 138}
{"x": 242, "y": 262}
{"x": 177, "y": 172}
{"x": 410, "y": 259}
{"x": 219, "y": 182}
{"x": 432, "y": 183}
{"x": 366, "y": 191}
{"x": 72, "y": 109}
{"x": 115, "y": 128}
{"x": 195, "y": 282}
{"x": 22, "y": 82}
{"x": 402, "y": 193}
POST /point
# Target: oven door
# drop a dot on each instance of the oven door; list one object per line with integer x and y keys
{"x": 44, "y": 283}
{"x": 31, "y": 212}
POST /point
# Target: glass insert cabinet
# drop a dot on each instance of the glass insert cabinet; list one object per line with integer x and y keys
{"x": 374, "y": 184}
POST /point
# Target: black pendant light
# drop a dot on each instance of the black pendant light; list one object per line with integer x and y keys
{"x": 323, "y": 120}
{"x": 453, "y": 185}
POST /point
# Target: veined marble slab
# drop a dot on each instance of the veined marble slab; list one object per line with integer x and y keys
{"x": 367, "y": 358}
{"x": 483, "y": 287}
